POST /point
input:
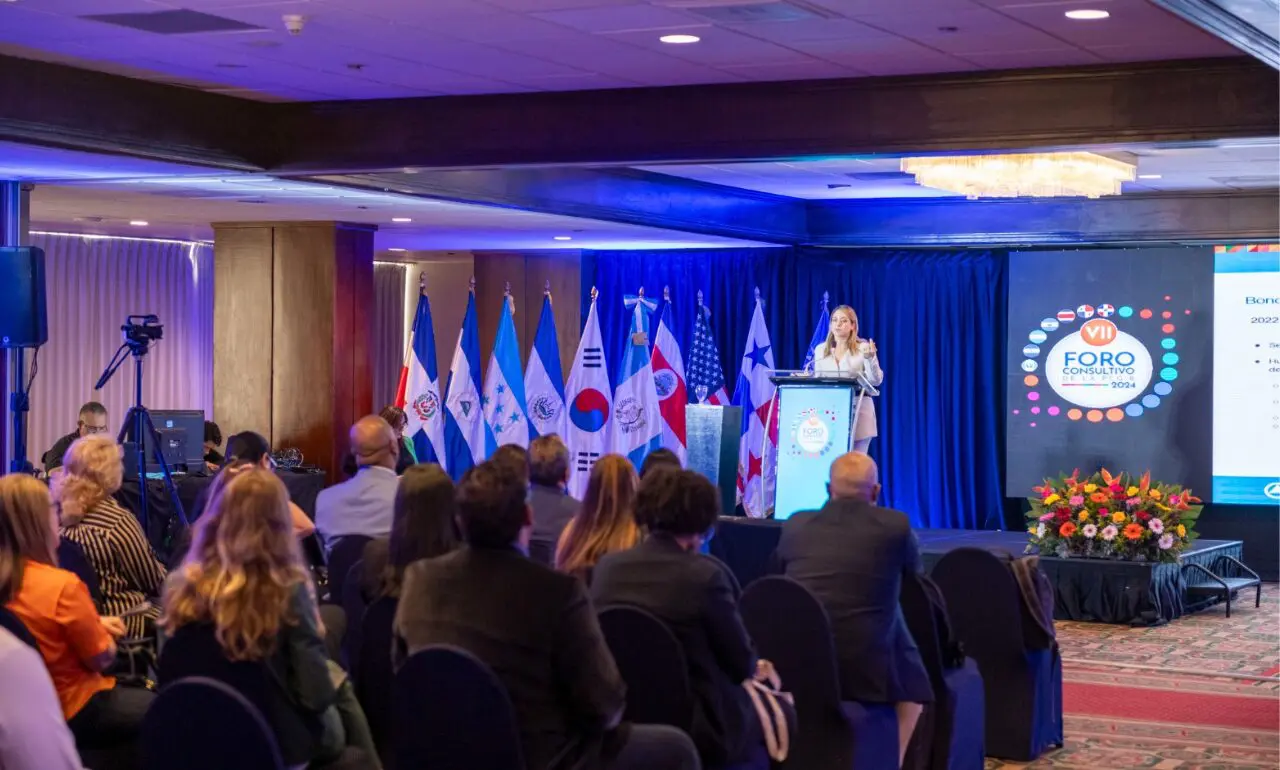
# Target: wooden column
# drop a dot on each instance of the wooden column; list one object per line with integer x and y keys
{"x": 529, "y": 272}
{"x": 291, "y": 315}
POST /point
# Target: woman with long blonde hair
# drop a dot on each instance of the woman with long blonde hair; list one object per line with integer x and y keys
{"x": 129, "y": 573}
{"x": 605, "y": 523}
{"x": 244, "y": 576}
{"x": 845, "y": 354}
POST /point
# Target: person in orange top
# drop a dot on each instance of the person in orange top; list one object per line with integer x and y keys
{"x": 77, "y": 645}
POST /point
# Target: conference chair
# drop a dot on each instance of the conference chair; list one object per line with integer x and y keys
{"x": 651, "y": 662}
{"x": 452, "y": 713}
{"x": 353, "y": 604}
{"x": 136, "y": 654}
{"x": 347, "y": 550}
{"x": 543, "y": 551}
{"x": 954, "y": 740}
{"x": 790, "y": 628}
{"x": 14, "y": 625}
{"x": 71, "y": 557}
{"x": 372, "y": 672}
{"x": 1021, "y": 668}
{"x": 204, "y": 724}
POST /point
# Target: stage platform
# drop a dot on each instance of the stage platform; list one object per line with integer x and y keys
{"x": 1096, "y": 590}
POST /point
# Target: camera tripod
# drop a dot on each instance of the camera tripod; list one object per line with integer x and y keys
{"x": 138, "y": 426}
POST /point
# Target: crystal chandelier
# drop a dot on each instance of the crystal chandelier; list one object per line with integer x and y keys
{"x": 1034, "y": 175}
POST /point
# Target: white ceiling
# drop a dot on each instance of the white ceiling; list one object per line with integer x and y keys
{"x": 369, "y": 49}
{"x": 1223, "y": 166}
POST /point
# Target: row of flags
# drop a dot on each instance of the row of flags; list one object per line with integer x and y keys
{"x": 644, "y": 409}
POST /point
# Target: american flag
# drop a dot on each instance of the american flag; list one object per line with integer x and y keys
{"x": 704, "y": 362}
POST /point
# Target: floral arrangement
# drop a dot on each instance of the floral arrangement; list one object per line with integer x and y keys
{"x": 1109, "y": 516}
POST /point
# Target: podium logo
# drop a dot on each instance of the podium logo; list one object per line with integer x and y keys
{"x": 810, "y": 434}
{"x": 1099, "y": 366}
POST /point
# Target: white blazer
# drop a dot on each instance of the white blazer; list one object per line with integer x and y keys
{"x": 853, "y": 365}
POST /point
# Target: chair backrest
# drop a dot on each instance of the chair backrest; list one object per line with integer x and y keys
{"x": 651, "y": 662}
{"x": 790, "y": 628}
{"x": 984, "y": 602}
{"x": 451, "y": 712}
{"x": 353, "y": 604}
{"x": 918, "y": 611}
{"x": 14, "y": 625}
{"x": 71, "y": 557}
{"x": 203, "y": 724}
{"x": 371, "y": 665}
{"x": 542, "y": 551}
{"x": 347, "y": 550}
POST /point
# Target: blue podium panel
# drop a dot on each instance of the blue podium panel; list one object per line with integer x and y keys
{"x": 814, "y": 428}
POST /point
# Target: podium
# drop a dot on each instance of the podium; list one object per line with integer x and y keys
{"x": 815, "y": 419}
{"x": 711, "y": 440}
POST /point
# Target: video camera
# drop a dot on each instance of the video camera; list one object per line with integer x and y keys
{"x": 141, "y": 330}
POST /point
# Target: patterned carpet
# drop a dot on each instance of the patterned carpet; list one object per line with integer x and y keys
{"x": 1184, "y": 716}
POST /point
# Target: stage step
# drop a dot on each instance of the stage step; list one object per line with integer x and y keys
{"x": 1206, "y": 583}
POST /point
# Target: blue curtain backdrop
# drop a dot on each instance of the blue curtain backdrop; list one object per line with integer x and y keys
{"x": 938, "y": 319}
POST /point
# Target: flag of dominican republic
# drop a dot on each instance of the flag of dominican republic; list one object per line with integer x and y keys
{"x": 668, "y": 379}
{"x": 543, "y": 378}
{"x": 820, "y": 331}
{"x": 467, "y": 438}
{"x": 588, "y": 397}
{"x": 419, "y": 394}
{"x": 637, "y": 418}
{"x": 504, "y": 404}
{"x": 754, "y": 393}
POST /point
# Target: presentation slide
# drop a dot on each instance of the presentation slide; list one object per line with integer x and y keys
{"x": 1246, "y": 379}
{"x": 1111, "y": 364}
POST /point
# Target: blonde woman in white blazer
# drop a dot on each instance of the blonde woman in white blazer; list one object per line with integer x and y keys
{"x": 845, "y": 354}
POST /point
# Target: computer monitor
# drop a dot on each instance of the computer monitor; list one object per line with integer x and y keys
{"x": 190, "y": 422}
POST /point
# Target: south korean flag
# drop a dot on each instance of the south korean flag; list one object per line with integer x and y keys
{"x": 1105, "y": 311}
{"x": 1085, "y": 311}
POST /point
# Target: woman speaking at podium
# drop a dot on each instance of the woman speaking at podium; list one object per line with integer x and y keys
{"x": 844, "y": 354}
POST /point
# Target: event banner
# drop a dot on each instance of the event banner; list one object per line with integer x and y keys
{"x": 814, "y": 428}
{"x": 1110, "y": 364}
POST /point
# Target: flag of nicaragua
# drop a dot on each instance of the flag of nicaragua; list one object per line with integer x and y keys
{"x": 543, "y": 378}
{"x": 420, "y": 397}
{"x": 504, "y": 405}
{"x": 588, "y": 397}
{"x": 467, "y": 438}
{"x": 668, "y": 380}
{"x": 754, "y": 393}
{"x": 637, "y": 420}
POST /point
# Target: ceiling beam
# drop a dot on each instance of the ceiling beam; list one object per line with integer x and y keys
{"x": 1133, "y": 218}
{"x": 1178, "y": 101}
{"x": 616, "y": 195}
{"x": 1254, "y": 35}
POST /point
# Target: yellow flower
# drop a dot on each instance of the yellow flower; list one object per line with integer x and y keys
{"x": 1031, "y": 530}
{"x": 1182, "y": 530}
{"x": 1155, "y": 494}
{"x": 1131, "y": 491}
{"x": 1051, "y": 499}
{"x": 1164, "y": 508}
{"x": 1117, "y": 517}
{"x": 1090, "y": 488}
{"x": 1084, "y": 516}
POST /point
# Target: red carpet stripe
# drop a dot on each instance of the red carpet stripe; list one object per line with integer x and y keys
{"x": 1171, "y": 707}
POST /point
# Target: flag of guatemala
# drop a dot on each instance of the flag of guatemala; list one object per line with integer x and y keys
{"x": 467, "y": 438}
{"x": 543, "y": 378}
{"x": 637, "y": 416}
{"x": 422, "y": 391}
{"x": 504, "y": 405}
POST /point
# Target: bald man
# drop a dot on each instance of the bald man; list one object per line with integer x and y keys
{"x": 853, "y": 556}
{"x": 362, "y": 505}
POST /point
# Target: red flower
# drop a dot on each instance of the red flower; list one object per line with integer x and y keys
{"x": 1116, "y": 488}
{"x": 1143, "y": 516}
{"x": 1067, "y": 530}
{"x": 1063, "y": 515}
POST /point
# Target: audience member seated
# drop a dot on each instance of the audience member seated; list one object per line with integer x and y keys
{"x": 212, "y": 440}
{"x": 363, "y": 504}
{"x": 245, "y": 576}
{"x": 852, "y": 555}
{"x": 536, "y": 630}
{"x": 76, "y": 643}
{"x": 605, "y": 521}
{"x": 92, "y": 421}
{"x": 659, "y": 458}
{"x": 423, "y": 525}
{"x": 33, "y": 732}
{"x": 251, "y": 450}
{"x": 129, "y": 574}
{"x": 697, "y": 598}
{"x": 553, "y": 508}
{"x": 398, "y": 421}
{"x": 515, "y": 457}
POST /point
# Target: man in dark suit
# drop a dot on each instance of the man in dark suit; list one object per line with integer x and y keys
{"x": 853, "y": 555}
{"x": 536, "y": 629}
{"x": 548, "y": 496}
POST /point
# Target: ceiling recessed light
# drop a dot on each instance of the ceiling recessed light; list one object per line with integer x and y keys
{"x": 1148, "y": 176}
{"x": 138, "y": 222}
{"x": 395, "y": 249}
{"x": 561, "y": 238}
{"x": 1085, "y": 14}
{"x": 679, "y": 39}
{"x": 401, "y": 219}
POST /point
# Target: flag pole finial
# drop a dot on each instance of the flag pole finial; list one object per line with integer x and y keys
{"x": 641, "y": 292}
{"x": 422, "y": 282}
{"x": 472, "y": 284}
{"x": 506, "y": 289}
{"x": 594, "y": 293}
{"x": 699, "y": 297}
{"x": 546, "y": 287}
{"x": 758, "y": 300}
{"x": 666, "y": 294}
{"x": 826, "y": 297}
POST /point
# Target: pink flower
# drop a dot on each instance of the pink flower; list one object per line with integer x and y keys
{"x": 1047, "y": 517}
{"x": 1133, "y": 502}
{"x": 1104, "y": 512}
{"x": 1089, "y": 530}
{"x": 1076, "y": 500}
{"x": 1174, "y": 499}
{"x": 1109, "y": 532}
{"x": 1156, "y": 526}
{"x": 1166, "y": 541}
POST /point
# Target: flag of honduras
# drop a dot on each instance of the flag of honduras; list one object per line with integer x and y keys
{"x": 587, "y": 395}
{"x": 668, "y": 379}
{"x": 543, "y": 378}
{"x": 504, "y": 405}
{"x": 754, "y": 393}
{"x": 637, "y": 419}
{"x": 422, "y": 389}
{"x": 467, "y": 438}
